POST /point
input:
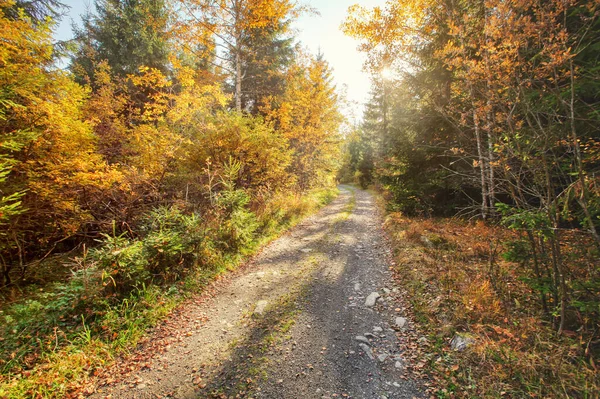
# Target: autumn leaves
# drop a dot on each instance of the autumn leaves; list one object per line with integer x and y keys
{"x": 162, "y": 96}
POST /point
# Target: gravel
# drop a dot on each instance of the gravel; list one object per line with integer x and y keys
{"x": 322, "y": 266}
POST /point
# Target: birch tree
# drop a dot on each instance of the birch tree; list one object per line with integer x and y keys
{"x": 224, "y": 29}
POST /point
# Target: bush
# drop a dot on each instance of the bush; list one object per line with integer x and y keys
{"x": 239, "y": 224}
{"x": 173, "y": 242}
{"x": 170, "y": 247}
{"x": 122, "y": 261}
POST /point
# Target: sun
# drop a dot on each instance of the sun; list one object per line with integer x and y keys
{"x": 387, "y": 73}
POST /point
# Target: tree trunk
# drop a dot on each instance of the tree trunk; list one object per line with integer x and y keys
{"x": 237, "y": 9}
{"x": 560, "y": 277}
{"x": 385, "y": 108}
{"x": 482, "y": 167}
{"x": 536, "y": 269}
{"x": 490, "y": 166}
{"x": 489, "y": 120}
{"x": 584, "y": 198}
{"x": 238, "y": 80}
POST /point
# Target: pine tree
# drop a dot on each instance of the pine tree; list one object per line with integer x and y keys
{"x": 269, "y": 53}
{"x": 37, "y": 10}
{"x": 128, "y": 34}
{"x": 233, "y": 32}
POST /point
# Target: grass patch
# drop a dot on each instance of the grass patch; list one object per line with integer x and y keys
{"x": 347, "y": 210}
{"x": 55, "y": 338}
{"x": 248, "y": 358}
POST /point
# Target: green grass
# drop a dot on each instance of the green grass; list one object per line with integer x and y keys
{"x": 53, "y": 341}
{"x": 347, "y": 210}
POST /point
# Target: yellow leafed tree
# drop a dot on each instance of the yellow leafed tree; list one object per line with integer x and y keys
{"x": 307, "y": 115}
{"x": 47, "y": 152}
{"x": 222, "y": 29}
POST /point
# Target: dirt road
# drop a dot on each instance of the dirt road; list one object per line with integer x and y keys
{"x": 311, "y": 317}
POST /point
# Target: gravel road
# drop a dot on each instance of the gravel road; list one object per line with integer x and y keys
{"x": 312, "y": 316}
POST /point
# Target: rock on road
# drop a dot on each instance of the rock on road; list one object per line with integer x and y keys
{"x": 309, "y": 317}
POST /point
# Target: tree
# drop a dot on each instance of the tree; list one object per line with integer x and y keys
{"x": 307, "y": 114}
{"x": 49, "y": 170}
{"x": 405, "y": 118}
{"x": 265, "y": 65}
{"x": 36, "y": 10}
{"x": 229, "y": 29}
{"x": 127, "y": 34}
{"x": 514, "y": 108}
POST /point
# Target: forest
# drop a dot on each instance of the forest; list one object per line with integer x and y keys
{"x": 181, "y": 135}
{"x": 171, "y": 139}
{"x": 488, "y": 111}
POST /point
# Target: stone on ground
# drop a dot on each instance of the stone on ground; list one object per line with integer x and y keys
{"x": 371, "y": 299}
{"x": 401, "y": 322}
{"x": 362, "y": 339}
{"x": 460, "y": 342}
{"x": 260, "y": 307}
{"x": 365, "y": 348}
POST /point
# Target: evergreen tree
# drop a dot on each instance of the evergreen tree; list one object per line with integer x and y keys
{"x": 128, "y": 34}
{"x": 269, "y": 53}
{"x": 245, "y": 36}
{"x": 37, "y": 10}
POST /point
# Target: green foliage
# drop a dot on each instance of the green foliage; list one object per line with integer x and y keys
{"x": 517, "y": 251}
{"x": 394, "y": 148}
{"x": 472, "y": 115}
{"x": 359, "y": 165}
{"x": 271, "y": 54}
{"x": 535, "y": 221}
{"x": 168, "y": 248}
{"x": 236, "y": 231}
{"x": 38, "y": 10}
{"x": 136, "y": 154}
{"x": 173, "y": 241}
{"x": 126, "y": 34}
{"x": 123, "y": 262}
{"x": 30, "y": 326}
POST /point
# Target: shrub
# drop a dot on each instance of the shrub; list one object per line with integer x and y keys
{"x": 239, "y": 224}
{"x": 170, "y": 246}
{"x": 173, "y": 241}
{"x": 122, "y": 261}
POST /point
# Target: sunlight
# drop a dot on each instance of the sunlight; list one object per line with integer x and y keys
{"x": 387, "y": 73}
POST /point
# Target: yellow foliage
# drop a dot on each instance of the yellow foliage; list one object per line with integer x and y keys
{"x": 57, "y": 160}
{"x": 261, "y": 150}
{"x": 308, "y": 117}
{"x": 480, "y": 300}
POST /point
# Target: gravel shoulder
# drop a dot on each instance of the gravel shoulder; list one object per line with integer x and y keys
{"x": 312, "y": 316}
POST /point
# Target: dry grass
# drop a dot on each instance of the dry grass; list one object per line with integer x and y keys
{"x": 458, "y": 283}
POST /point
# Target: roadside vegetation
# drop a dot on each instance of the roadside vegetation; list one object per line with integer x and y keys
{"x": 159, "y": 160}
{"x": 460, "y": 286}
{"x": 56, "y": 335}
{"x": 482, "y": 134}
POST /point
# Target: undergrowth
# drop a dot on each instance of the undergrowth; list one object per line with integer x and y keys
{"x": 458, "y": 283}
{"x": 54, "y": 338}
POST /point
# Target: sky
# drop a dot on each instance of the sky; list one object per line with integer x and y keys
{"x": 315, "y": 32}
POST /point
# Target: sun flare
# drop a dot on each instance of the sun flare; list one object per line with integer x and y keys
{"x": 387, "y": 73}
